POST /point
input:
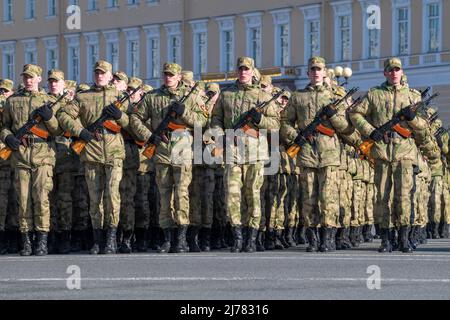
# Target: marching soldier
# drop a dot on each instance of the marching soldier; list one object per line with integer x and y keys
{"x": 103, "y": 154}
{"x": 120, "y": 80}
{"x": 33, "y": 158}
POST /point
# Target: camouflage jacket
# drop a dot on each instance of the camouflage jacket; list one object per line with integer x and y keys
{"x": 378, "y": 107}
{"x": 85, "y": 110}
{"x": 16, "y": 112}
{"x": 231, "y": 105}
{"x": 301, "y": 110}
{"x": 3, "y": 163}
{"x": 148, "y": 115}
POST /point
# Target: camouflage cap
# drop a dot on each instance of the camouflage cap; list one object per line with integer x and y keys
{"x": 245, "y": 62}
{"x": 134, "y": 83}
{"x": 55, "y": 74}
{"x": 213, "y": 87}
{"x": 286, "y": 94}
{"x": 187, "y": 76}
{"x": 266, "y": 80}
{"x": 121, "y": 76}
{"x": 6, "y": 84}
{"x": 391, "y": 63}
{"x": 71, "y": 85}
{"x": 316, "y": 62}
{"x": 172, "y": 68}
{"x": 103, "y": 65}
{"x": 147, "y": 88}
{"x": 31, "y": 70}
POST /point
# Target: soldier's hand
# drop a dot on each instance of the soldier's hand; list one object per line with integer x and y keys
{"x": 113, "y": 112}
{"x": 86, "y": 135}
{"x": 329, "y": 111}
{"x": 255, "y": 115}
{"x": 178, "y": 108}
{"x": 45, "y": 112}
{"x": 299, "y": 140}
{"x": 376, "y": 135}
{"x": 155, "y": 140}
{"x": 12, "y": 142}
{"x": 408, "y": 114}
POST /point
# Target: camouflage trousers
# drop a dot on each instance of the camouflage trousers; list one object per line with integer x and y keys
{"x": 173, "y": 185}
{"x": 146, "y": 201}
{"x": 33, "y": 188}
{"x": 127, "y": 193}
{"x": 320, "y": 197}
{"x": 246, "y": 179}
{"x": 201, "y": 192}
{"x": 219, "y": 196}
{"x": 64, "y": 186}
{"x": 439, "y": 200}
{"x": 370, "y": 200}
{"x": 5, "y": 186}
{"x": 345, "y": 199}
{"x": 421, "y": 200}
{"x": 358, "y": 203}
{"x": 80, "y": 217}
{"x": 103, "y": 183}
{"x": 291, "y": 208}
{"x": 394, "y": 182}
{"x": 277, "y": 190}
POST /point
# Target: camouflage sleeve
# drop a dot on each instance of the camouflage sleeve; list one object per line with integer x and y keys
{"x": 358, "y": 117}
{"x": 353, "y": 139}
{"x": 340, "y": 123}
{"x": 139, "y": 117}
{"x": 52, "y": 124}
{"x": 67, "y": 117}
{"x": 124, "y": 119}
{"x": 445, "y": 139}
{"x": 6, "y": 121}
{"x": 217, "y": 115}
{"x": 288, "y": 119}
{"x": 270, "y": 118}
{"x": 418, "y": 123}
{"x": 193, "y": 114}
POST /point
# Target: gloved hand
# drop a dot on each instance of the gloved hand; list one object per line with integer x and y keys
{"x": 329, "y": 111}
{"x": 86, "y": 135}
{"x": 299, "y": 140}
{"x": 178, "y": 108}
{"x": 376, "y": 135}
{"x": 45, "y": 112}
{"x": 12, "y": 142}
{"x": 113, "y": 112}
{"x": 255, "y": 115}
{"x": 155, "y": 140}
{"x": 408, "y": 114}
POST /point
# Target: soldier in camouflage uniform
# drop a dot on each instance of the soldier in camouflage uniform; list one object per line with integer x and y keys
{"x": 174, "y": 155}
{"x": 393, "y": 154}
{"x": 319, "y": 160}
{"x": 129, "y": 178}
{"x": 103, "y": 154}
{"x": 32, "y": 159}
{"x": 120, "y": 81}
{"x": 244, "y": 166}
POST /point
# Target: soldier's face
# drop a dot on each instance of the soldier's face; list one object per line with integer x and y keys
{"x": 119, "y": 84}
{"x": 171, "y": 80}
{"x": 316, "y": 75}
{"x": 102, "y": 78}
{"x": 31, "y": 83}
{"x": 135, "y": 97}
{"x": 283, "y": 101}
{"x": 8, "y": 93}
{"x": 267, "y": 88}
{"x": 394, "y": 76}
{"x": 56, "y": 86}
{"x": 245, "y": 75}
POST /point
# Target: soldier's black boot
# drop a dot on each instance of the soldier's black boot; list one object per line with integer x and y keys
{"x": 278, "y": 235}
{"x": 423, "y": 235}
{"x": 2, "y": 243}
{"x": 270, "y": 239}
{"x": 13, "y": 237}
{"x": 165, "y": 247}
{"x": 435, "y": 230}
{"x": 283, "y": 239}
{"x": 64, "y": 242}
{"x": 141, "y": 239}
{"x": 301, "y": 235}
{"x": 346, "y": 244}
{"x": 181, "y": 246}
{"x": 205, "y": 243}
{"x": 125, "y": 245}
{"x": 156, "y": 237}
{"x": 215, "y": 239}
{"x": 97, "y": 241}
{"x": 443, "y": 228}
{"x": 332, "y": 239}
{"x": 193, "y": 232}
{"x": 41, "y": 249}
{"x": 26, "y": 244}
{"x": 311, "y": 235}
{"x": 324, "y": 239}
{"x": 385, "y": 241}
{"x": 404, "y": 241}
{"x": 75, "y": 244}
{"x": 237, "y": 235}
{"x": 289, "y": 236}
{"x": 393, "y": 233}
{"x": 367, "y": 233}
{"x": 377, "y": 231}
{"x": 251, "y": 240}
{"x": 354, "y": 236}
{"x": 111, "y": 243}
{"x": 339, "y": 238}
{"x": 52, "y": 243}
{"x": 259, "y": 241}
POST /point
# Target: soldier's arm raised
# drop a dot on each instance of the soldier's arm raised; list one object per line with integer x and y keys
{"x": 139, "y": 117}
{"x": 67, "y": 116}
{"x": 288, "y": 119}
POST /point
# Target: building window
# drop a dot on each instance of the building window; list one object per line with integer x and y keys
{"x": 314, "y": 38}
{"x": 255, "y": 45}
{"x": 403, "y": 40}
{"x": 175, "y": 49}
{"x": 226, "y": 27}
{"x": 311, "y": 15}
{"x": 51, "y": 8}
{"x": 432, "y": 26}
{"x": 92, "y": 5}
{"x": 113, "y": 3}
{"x": 30, "y": 57}
{"x": 154, "y": 58}
{"x": 92, "y": 58}
{"x": 8, "y": 66}
{"x": 7, "y": 10}
{"x": 343, "y": 30}
{"x": 134, "y": 58}
{"x": 74, "y": 63}
{"x": 282, "y": 21}
{"x": 52, "y": 59}
{"x": 30, "y": 9}
{"x": 113, "y": 55}
{"x": 200, "y": 47}
{"x": 344, "y": 25}
{"x": 284, "y": 45}
{"x": 153, "y": 34}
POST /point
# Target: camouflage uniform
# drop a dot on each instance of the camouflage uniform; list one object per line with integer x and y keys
{"x": 244, "y": 166}
{"x": 33, "y": 164}
{"x": 102, "y": 157}
{"x": 173, "y": 159}
{"x": 393, "y": 160}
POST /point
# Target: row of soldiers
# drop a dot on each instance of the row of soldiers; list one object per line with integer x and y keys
{"x": 329, "y": 195}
